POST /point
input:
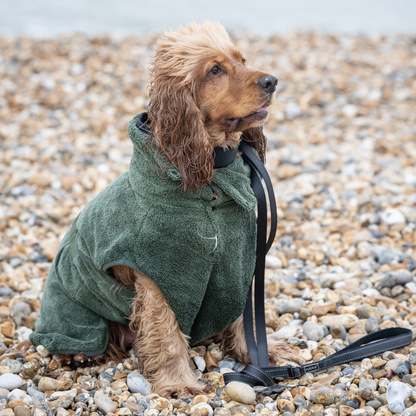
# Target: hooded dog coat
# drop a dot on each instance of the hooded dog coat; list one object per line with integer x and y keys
{"x": 199, "y": 248}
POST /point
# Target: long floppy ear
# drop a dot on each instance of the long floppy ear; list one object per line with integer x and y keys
{"x": 179, "y": 132}
{"x": 257, "y": 140}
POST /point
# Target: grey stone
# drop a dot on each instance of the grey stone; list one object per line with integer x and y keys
{"x": 313, "y": 331}
{"x": 375, "y": 404}
{"x": 411, "y": 266}
{"x": 371, "y": 325}
{"x": 395, "y": 278}
{"x": 227, "y": 363}
{"x": 5, "y": 291}
{"x": 402, "y": 371}
{"x": 31, "y": 391}
{"x": 338, "y": 331}
{"x": 83, "y": 397}
{"x": 138, "y": 384}
{"x": 412, "y": 357}
{"x": 387, "y": 256}
{"x": 14, "y": 365}
{"x": 15, "y": 262}
{"x": 368, "y": 384}
{"x": 21, "y": 311}
{"x": 352, "y": 403}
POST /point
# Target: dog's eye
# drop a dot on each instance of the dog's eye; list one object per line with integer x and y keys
{"x": 215, "y": 70}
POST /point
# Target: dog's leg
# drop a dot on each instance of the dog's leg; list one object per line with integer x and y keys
{"x": 234, "y": 343}
{"x": 161, "y": 347}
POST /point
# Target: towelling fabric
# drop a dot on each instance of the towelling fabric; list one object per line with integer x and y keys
{"x": 199, "y": 248}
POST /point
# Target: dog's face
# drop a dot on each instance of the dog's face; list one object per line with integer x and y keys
{"x": 202, "y": 96}
{"x": 232, "y": 97}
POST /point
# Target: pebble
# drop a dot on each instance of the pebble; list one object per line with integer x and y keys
{"x": 368, "y": 384}
{"x": 10, "y": 381}
{"x": 371, "y": 325}
{"x": 240, "y": 392}
{"x": 105, "y": 404}
{"x": 347, "y": 320}
{"x": 395, "y": 278}
{"x": 291, "y": 306}
{"x": 14, "y": 365}
{"x": 338, "y": 331}
{"x": 324, "y": 396}
{"x": 204, "y": 408}
{"x": 375, "y": 404}
{"x": 285, "y": 332}
{"x": 17, "y": 394}
{"x": 273, "y": 262}
{"x": 392, "y": 216}
{"x": 397, "y": 392}
{"x": 21, "y": 411}
{"x": 313, "y": 331}
{"x": 393, "y": 364}
{"x": 138, "y": 384}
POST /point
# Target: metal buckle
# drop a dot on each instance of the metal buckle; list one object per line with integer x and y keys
{"x": 295, "y": 372}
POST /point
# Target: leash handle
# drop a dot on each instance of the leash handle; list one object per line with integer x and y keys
{"x": 259, "y": 372}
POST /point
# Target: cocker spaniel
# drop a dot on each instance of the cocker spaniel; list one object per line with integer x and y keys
{"x": 202, "y": 96}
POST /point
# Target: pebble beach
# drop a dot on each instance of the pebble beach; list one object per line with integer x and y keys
{"x": 341, "y": 155}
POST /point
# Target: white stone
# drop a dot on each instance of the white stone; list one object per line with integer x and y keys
{"x": 370, "y": 292}
{"x": 151, "y": 412}
{"x": 43, "y": 352}
{"x": 411, "y": 286}
{"x": 396, "y": 393}
{"x": 57, "y": 394}
{"x": 203, "y": 406}
{"x": 273, "y": 262}
{"x": 285, "y": 332}
{"x": 349, "y": 110}
{"x": 104, "y": 403}
{"x": 363, "y": 249}
{"x": 10, "y": 381}
{"x": 348, "y": 320}
{"x": 138, "y": 384}
{"x": 241, "y": 392}
{"x": 392, "y": 216}
{"x": 200, "y": 363}
{"x": 17, "y": 394}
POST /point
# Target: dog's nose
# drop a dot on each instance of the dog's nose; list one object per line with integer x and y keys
{"x": 267, "y": 83}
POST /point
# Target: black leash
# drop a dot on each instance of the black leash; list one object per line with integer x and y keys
{"x": 259, "y": 372}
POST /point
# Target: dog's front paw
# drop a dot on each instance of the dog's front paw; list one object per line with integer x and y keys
{"x": 279, "y": 351}
{"x": 183, "y": 391}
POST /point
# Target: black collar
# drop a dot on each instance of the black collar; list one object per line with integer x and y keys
{"x": 222, "y": 157}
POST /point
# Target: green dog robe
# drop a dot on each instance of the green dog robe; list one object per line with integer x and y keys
{"x": 199, "y": 248}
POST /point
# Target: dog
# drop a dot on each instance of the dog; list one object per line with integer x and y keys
{"x": 202, "y": 97}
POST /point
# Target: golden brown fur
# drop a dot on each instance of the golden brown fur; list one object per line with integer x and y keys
{"x": 190, "y": 111}
{"x": 201, "y": 96}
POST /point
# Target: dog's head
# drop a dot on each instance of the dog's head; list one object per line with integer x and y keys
{"x": 202, "y": 96}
